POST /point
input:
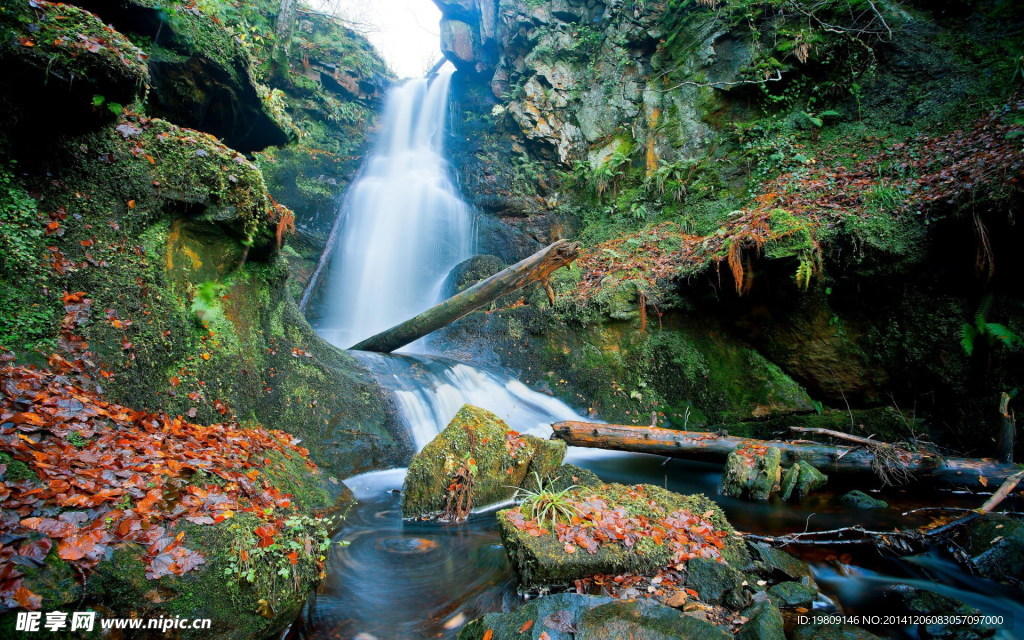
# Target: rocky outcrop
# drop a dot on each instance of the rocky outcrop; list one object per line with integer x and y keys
{"x": 476, "y": 461}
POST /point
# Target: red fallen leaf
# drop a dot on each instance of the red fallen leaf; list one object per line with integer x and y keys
{"x": 526, "y": 626}
{"x": 35, "y": 550}
{"x": 488, "y": 634}
{"x": 266, "y": 535}
{"x": 131, "y": 204}
{"x": 28, "y": 600}
{"x": 293, "y": 557}
{"x": 77, "y": 547}
{"x": 49, "y": 526}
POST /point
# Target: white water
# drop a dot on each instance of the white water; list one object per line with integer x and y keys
{"x": 405, "y": 224}
{"x": 405, "y": 227}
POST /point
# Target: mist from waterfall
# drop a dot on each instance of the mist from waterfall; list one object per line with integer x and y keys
{"x": 405, "y": 225}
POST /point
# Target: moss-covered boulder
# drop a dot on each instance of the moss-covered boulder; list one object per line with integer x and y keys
{"x": 831, "y": 632}
{"x": 997, "y": 544}
{"x": 764, "y": 622}
{"x": 571, "y": 616}
{"x": 202, "y": 73}
{"x": 802, "y": 478}
{"x": 66, "y": 69}
{"x": 752, "y": 472}
{"x": 857, "y": 499}
{"x": 792, "y": 594}
{"x": 478, "y": 460}
{"x": 650, "y": 520}
{"x": 716, "y": 582}
{"x": 776, "y": 563}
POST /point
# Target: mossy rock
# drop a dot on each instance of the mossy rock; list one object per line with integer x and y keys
{"x": 541, "y": 562}
{"x": 118, "y": 587}
{"x": 771, "y": 561}
{"x": 764, "y": 622}
{"x": 57, "y": 58}
{"x": 997, "y": 544}
{"x": 860, "y": 500}
{"x": 503, "y": 460}
{"x": 752, "y": 473}
{"x": 469, "y": 272}
{"x": 832, "y": 632}
{"x": 793, "y": 594}
{"x": 570, "y": 616}
{"x": 716, "y": 582}
{"x": 803, "y": 478}
{"x": 569, "y": 475}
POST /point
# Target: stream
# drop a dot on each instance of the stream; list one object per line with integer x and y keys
{"x": 403, "y": 228}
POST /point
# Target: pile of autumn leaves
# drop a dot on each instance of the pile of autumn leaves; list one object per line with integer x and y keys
{"x": 597, "y": 523}
{"x": 107, "y": 474}
{"x": 984, "y": 161}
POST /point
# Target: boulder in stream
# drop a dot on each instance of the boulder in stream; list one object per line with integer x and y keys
{"x": 477, "y": 460}
{"x": 571, "y": 616}
{"x": 617, "y": 529}
{"x": 752, "y": 472}
{"x": 803, "y": 478}
{"x": 860, "y": 500}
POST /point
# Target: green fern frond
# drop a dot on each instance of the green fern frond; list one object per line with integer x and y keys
{"x": 967, "y": 335}
{"x": 1001, "y": 333}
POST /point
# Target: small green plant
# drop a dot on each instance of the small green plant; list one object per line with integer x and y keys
{"x": 77, "y": 440}
{"x": 545, "y": 506}
{"x": 992, "y": 332}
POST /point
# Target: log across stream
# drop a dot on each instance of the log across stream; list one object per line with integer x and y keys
{"x": 842, "y": 459}
{"x": 418, "y": 580}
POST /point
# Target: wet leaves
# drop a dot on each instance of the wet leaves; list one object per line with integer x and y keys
{"x": 985, "y": 160}
{"x": 106, "y": 474}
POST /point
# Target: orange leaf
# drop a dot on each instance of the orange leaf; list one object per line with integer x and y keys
{"x": 131, "y": 204}
{"x": 488, "y": 634}
{"x": 526, "y": 626}
{"x": 983, "y": 480}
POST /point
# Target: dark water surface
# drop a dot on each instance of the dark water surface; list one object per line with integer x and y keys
{"x": 410, "y": 581}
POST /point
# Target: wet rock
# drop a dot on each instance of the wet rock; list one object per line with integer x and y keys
{"x": 803, "y": 478}
{"x": 716, "y": 582}
{"x": 643, "y": 620}
{"x": 570, "y": 616}
{"x": 764, "y": 622}
{"x": 771, "y": 561}
{"x": 860, "y": 500}
{"x": 201, "y": 74}
{"x": 469, "y": 272}
{"x": 497, "y": 458}
{"x": 56, "y": 59}
{"x": 927, "y": 603}
{"x": 569, "y": 475}
{"x": 832, "y": 632}
{"x": 793, "y": 594}
{"x": 997, "y": 544}
{"x": 541, "y": 560}
{"x": 751, "y": 472}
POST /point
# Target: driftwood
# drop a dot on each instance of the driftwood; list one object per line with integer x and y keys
{"x": 536, "y": 268}
{"x": 696, "y": 445}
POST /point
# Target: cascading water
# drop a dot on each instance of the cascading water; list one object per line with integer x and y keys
{"x": 404, "y": 228}
{"x": 404, "y": 224}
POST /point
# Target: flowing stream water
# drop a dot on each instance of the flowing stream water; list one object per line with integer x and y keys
{"x": 403, "y": 227}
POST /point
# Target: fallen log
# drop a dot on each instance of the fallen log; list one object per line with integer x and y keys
{"x": 536, "y": 268}
{"x": 696, "y": 445}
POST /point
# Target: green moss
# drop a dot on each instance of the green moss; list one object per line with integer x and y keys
{"x": 541, "y": 561}
{"x": 17, "y": 470}
{"x": 502, "y": 461}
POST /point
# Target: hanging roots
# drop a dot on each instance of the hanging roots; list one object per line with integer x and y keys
{"x": 889, "y": 466}
{"x": 458, "y": 501}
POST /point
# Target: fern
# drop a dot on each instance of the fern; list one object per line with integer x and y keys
{"x": 1001, "y": 333}
{"x": 967, "y": 335}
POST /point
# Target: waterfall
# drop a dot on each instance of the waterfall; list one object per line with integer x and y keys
{"x": 402, "y": 227}
{"x": 404, "y": 224}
